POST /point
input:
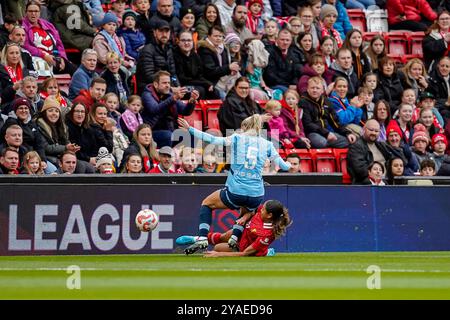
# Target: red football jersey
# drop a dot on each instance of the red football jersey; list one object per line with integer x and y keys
{"x": 258, "y": 234}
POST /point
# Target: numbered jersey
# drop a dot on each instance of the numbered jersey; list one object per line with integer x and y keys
{"x": 247, "y": 157}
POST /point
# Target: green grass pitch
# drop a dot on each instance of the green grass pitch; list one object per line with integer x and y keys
{"x": 404, "y": 275}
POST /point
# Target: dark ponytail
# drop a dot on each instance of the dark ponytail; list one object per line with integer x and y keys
{"x": 280, "y": 216}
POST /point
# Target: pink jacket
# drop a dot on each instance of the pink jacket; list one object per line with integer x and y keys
{"x": 411, "y": 9}
{"x": 50, "y": 28}
{"x": 277, "y": 128}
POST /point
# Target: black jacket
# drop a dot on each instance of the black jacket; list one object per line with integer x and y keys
{"x": 213, "y": 71}
{"x": 444, "y": 170}
{"x": 281, "y": 70}
{"x": 190, "y": 69}
{"x": 111, "y": 82}
{"x": 152, "y": 59}
{"x": 234, "y": 110}
{"x": 433, "y": 49}
{"x": 352, "y": 79}
{"x": 389, "y": 89}
{"x": 437, "y": 86}
{"x": 7, "y": 93}
{"x": 143, "y": 23}
{"x": 359, "y": 158}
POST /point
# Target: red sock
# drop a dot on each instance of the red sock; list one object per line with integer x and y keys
{"x": 214, "y": 238}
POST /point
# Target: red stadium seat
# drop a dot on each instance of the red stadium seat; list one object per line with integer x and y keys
{"x": 416, "y": 39}
{"x": 262, "y": 103}
{"x": 196, "y": 118}
{"x": 63, "y": 81}
{"x": 325, "y": 160}
{"x": 368, "y": 36}
{"x": 210, "y": 109}
{"x": 399, "y": 58}
{"x": 398, "y": 42}
{"x": 357, "y": 19}
{"x": 306, "y": 159}
{"x": 282, "y": 153}
{"x": 341, "y": 160}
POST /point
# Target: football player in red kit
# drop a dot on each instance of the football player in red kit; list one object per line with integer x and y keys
{"x": 267, "y": 224}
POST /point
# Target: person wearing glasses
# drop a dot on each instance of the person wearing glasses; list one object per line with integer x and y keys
{"x": 307, "y": 20}
{"x": 437, "y": 39}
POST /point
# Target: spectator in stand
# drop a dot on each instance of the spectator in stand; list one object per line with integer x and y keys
{"x": 366, "y": 150}
{"x": 349, "y": 113}
{"x": 271, "y": 29}
{"x": 428, "y": 168}
{"x": 320, "y": 120}
{"x": 32, "y": 164}
{"x": 131, "y": 34}
{"x": 118, "y": 8}
{"x": 187, "y": 19}
{"x": 209, "y": 164}
{"x": 29, "y": 90}
{"x": 197, "y": 6}
{"x": 328, "y": 51}
{"x": 166, "y": 159}
{"x": 376, "y": 173}
{"x": 188, "y": 161}
{"x": 415, "y": 76}
{"x": 237, "y": 106}
{"x": 307, "y": 20}
{"x": 17, "y": 35}
{"x": 215, "y": 59}
{"x": 439, "y": 86}
{"x": 328, "y": 16}
{"x": 131, "y": 118}
{"x": 395, "y": 167}
{"x": 280, "y": 72}
{"x": 434, "y": 118}
{"x": 104, "y": 162}
{"x": 51, "y": 126}
{"x": 190, "y": 69}
{"x": 439, "y": 144}
{"x": 237, "y": 24}
{"x": 95, "y": 9}
{"x": 226, "y": 9}
{"x": 9, "y": 161}
{"x": 232, "y": 46}
{"x": 292, "y": 116}
{"x": 12, "y": 72}
{"x": 144, "y": 145}
{"x": 420, "y": 145}
{"x": 96, "y": 91}
{"x": 120, "y": 141}
{"x": 343, "y": 67}
{"x": 210, "y": 18}
{"x": 370, "y": 80}
{"x": 85, "y": 73}
{"x": 294, "y": 160}
{"x": 405, "y": 112}
{"x": 413, "y": 15}
{"x": 254, "y": 22}
{"x": 98, "y": 116}
{"x": 354, "y": 42}
{"x": 80, "y": 36}
{"x": 80, "y": 134}
{"x": 304, "y": 51}
{"x": 156, "y": 56}
{"x": 67, "y": 163}
{"x": 257, "y": 60}
{"x": 133, "y": 164}
{"x": 111, "y": 101}
{"x": 9, "y": 22}
{"x": 14, "y": 139}
{"x": 50, "y": 87}
{"x": 294, "y": 25}
{"x": 162, "y": 107}
{"x": 342, "y": 24}
{"x": 107, "y": 40}
{"x": 143, "y": 18}
{"x": 390, "y": 86}
{"x": 165, "y": 12}
{"x": 43, "y": 41}
{"x": 116, "y": 78}
{"x": 382, "y": 114}
{"x": 376, "y": 51}
{"x": 365, "y": 95}
{"x": 401, "y": 149}
{"x": 437, "y": 39}
{"x": 358, "y": 4}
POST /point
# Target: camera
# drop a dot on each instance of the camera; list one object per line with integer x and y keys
{"x": 188, "y": 94}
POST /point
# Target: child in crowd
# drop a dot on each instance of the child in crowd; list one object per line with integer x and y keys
{"x": 376, "y": 173}
{"x": 277, "y": 128}
{"x": 112, "y": 104}
{"x": 120, "y": 141}
{"x": 254, "y": 21}
{"x": 292, "y": 115}
{"x": 365, "y": 95}
{"x": 439, "y": 144}
{"x": 133, "y": 37}
{"x": 426, "y": 117}
{"x": 427, "y": 101}
{"x": 32, "y": 164}
{"x": 142, "y": 8}
{"x": 131, "y": 118}
{"x": 271, "y": 29}
{"x": 104, "y": 162}
{"x": 118, "y": 8}
{"x": 50, "y": 87}
{"x": 427, "y": 168}
{"x": 370, "y": 80}
{"x": 328, "y": 50}
{"x": 258, "y": 58}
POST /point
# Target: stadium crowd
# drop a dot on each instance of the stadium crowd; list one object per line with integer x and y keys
{"x": 136, "y": 66}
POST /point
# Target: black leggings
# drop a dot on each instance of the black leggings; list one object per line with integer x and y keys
{"x": 411, "y": 25}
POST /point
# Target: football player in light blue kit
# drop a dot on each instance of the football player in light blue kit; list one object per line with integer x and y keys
{"x": 244, "y": 188}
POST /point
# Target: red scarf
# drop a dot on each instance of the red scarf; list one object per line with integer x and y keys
{"x": 58, "y": 97}
{"x": 333, "y": 33}
{"x": 252, "y": 22}
{"x": 15, "y": 75}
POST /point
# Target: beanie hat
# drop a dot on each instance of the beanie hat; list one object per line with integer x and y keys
{"x": 255, "y": 1}
{"x": 50, "y": 102}
{"x": 109, "y": 17}
{"x": 103, "y": 157}
{"x": 129, "y": 13}
{"x": 326, "y": 10}
{"x": 393, "y": 127}
{"x": 426, "y": 95}
{"x": 230, "y": 38}
{"x": 184, "y": 11}
{"x": 21, "y": 102}
{"x": 420, "y": 133}
{"x": 439, "y": 137}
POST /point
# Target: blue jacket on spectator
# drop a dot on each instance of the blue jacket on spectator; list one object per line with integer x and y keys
{"x": 346, "y": 113}
{"x": 81, "y": 79}
{"x": 134, "y": 40}
{"x": 277, "y": 7}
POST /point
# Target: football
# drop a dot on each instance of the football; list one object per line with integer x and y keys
{"x": 146, "y": 220}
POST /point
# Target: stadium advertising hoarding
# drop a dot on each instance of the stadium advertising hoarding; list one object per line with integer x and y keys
{"x": 99, "y": 219}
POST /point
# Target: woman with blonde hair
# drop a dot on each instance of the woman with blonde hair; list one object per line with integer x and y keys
{"x": 416, "y": 76}
{"x": 12, "y": 71}
{"x": 116, "y": 78}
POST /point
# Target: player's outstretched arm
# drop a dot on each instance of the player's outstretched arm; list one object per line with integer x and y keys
{"x": 275, "y": 156}
{"x": 203, "y": 135}
{"x": 249, "y": 251}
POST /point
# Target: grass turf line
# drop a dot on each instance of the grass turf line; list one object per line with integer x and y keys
{"x": 404, "y": 275}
